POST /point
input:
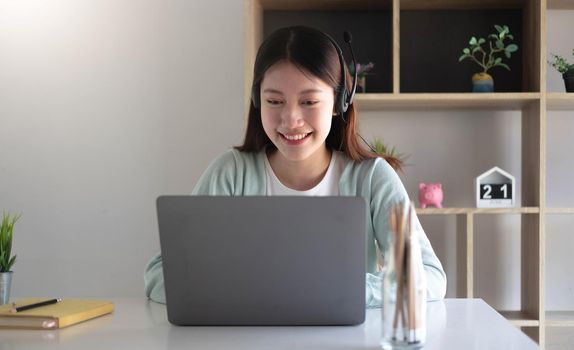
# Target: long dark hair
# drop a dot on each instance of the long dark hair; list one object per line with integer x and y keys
{"x": 311, "y": 51}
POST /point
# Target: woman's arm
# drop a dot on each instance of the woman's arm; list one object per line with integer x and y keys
{"x": 153, "y": 278}
{"x": 387, "y": 190}
{"x": 216, "y": 180}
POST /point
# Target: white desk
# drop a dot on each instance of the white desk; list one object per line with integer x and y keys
{"x": 139, "y": 324}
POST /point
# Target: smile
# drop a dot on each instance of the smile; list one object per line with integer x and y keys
{"x": 295, "y": 137}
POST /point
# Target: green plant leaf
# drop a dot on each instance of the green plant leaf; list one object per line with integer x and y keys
{"x": 498, "y": 28}
{"x": 473, "y": 41}
{"x": 499, "y": 44}
{"x": 507, "y": 54}
{"x": 497, "y": 60}
{"x": 466, "y": 51}
{"x": 512, "y": 48}
{"x": 481, "y": 41}
{"x": 503, "y": 66}
{"x": 10, "y": 263}
{"x": 6, "y": 235}
{"x": 510, "y": 36}
{"x": 462, "y": 57}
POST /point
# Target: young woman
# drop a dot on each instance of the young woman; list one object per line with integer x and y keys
{"x": 302, "y": 139}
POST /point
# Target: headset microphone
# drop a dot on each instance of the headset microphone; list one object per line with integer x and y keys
{"x": 348, "y": 38}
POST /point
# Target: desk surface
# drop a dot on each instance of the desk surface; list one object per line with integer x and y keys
{"x": 140, "y": 324}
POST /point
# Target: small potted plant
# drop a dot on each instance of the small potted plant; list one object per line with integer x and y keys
{"x": 363, "y": 69}
{"x": 6, "y": 257}
{"x": 497, "y": 46}
{"x": 566, "y": 69}
{"x": 397, "y": 160}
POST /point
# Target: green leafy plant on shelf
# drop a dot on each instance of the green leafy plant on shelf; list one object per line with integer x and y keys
{"x": 6, "y": 236}
{"x": 560, "y": 63}
{"x": 499, "y": 46}
{"x": 565, "y": 68}
{"x": 396, "y": 160}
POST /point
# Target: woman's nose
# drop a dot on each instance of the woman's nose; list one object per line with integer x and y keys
{"x": 291, "y": 117}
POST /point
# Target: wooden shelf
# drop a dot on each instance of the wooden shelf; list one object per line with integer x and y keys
{"x": 559, "y": 210}
{"x": 560, "y": 101}
{"x": 560, "y": 4}
{"x": 560, "y": 318}
{"x": 459, "y": 5}
{"x": 520, "y": 318}
{"x": 339, "y": 5}
{"x": 445, "y": 101}
{"x": 451, "y": 211}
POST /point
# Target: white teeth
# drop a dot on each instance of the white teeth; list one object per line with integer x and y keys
{"x": 295, "y": 137}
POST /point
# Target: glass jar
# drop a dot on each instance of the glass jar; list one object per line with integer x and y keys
{"x": 404, "y": 291}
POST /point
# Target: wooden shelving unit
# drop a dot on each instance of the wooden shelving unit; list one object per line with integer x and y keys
{"x": 559, "y": 210}
{"x": 472, "y": 211}
{"x": 560, "y": 318}
{"x": 445, "y": 101}
{"x": 520, "y": 318}
{"x": 560, "y": 101}
{"x": 530, "y": 99}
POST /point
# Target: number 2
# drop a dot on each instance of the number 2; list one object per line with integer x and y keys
{"x": 488, "y": 189}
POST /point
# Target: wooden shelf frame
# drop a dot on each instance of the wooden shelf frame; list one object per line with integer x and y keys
{"x": 454, "y": 211}
{"x": 445, "y": 101}
{"x": 560, "y": 101}
{"x": 559, "y": 318}
{"x": 559, "y": 210}
{"x": 533, "y": 103}
{"x": 560, "y": 5}
{"x": 520, "y": 318}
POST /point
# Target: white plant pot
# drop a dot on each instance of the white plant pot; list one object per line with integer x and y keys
{"x": 5, "y": 286}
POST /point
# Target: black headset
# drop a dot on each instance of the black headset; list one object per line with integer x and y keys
{"x": 343, "y": 97}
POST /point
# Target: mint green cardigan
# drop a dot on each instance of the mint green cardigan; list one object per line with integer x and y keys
{"x": 236, "y": 173}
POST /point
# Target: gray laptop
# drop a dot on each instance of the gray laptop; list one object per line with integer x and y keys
{"x": 263, "y": 260}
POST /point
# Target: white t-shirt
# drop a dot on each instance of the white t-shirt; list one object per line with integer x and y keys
{"x": 328, "y": 186}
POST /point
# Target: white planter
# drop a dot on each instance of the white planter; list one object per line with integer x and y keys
{"x": 5, "y": 285}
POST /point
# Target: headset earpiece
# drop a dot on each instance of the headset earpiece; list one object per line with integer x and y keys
{"x": 340, "y": 100}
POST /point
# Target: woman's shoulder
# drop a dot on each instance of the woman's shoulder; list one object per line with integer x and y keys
{"x": 233, "y": 173}
{"x": 234, "y": 159}
{"x": 371, "y": 177}
{"x": 376, "y": 166}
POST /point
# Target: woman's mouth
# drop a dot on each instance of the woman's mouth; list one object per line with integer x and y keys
{"x": 295, "y": 139}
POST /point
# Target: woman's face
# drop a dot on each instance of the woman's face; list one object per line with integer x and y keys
{"x": 296, "y": 111}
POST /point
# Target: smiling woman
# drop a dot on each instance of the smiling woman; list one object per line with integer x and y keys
{"x": 296, "y": 113}
{"x": 302, "y": 139}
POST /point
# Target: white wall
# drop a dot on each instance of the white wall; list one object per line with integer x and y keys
{"x": 106, "y": 104}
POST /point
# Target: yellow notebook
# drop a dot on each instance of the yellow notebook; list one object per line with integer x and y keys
{"x": 65, "y": 313}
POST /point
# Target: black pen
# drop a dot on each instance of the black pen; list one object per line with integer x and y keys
{"x": 33, "y": 306}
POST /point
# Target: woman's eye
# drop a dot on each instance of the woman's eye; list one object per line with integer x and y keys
{"x": 274, "y": 102}
{"x": 310, "y": 102}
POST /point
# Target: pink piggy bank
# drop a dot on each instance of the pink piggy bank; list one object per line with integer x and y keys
{"x": 430, "y": 194}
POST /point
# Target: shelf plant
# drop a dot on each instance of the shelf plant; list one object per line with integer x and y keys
{"x": 7, "y": 260}
{"x": 499, "y": 46}
{"x": 363, "y": 69}
{"x": 6, "y": 235}
{"x": 565, "y": 68}
{"x": 396, "y": 160}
